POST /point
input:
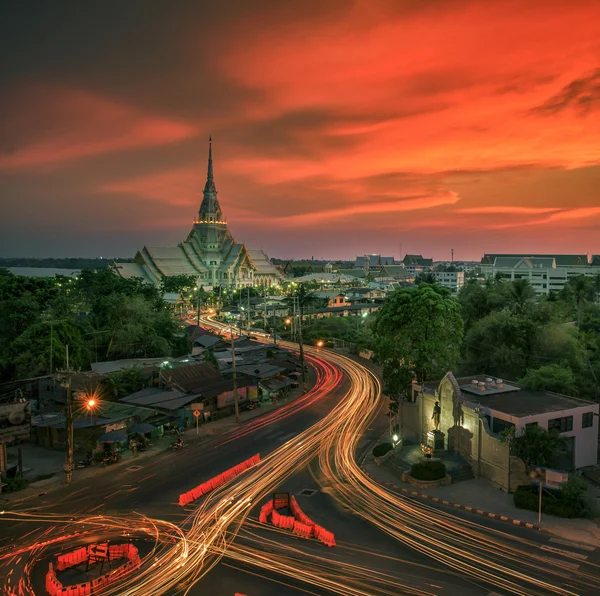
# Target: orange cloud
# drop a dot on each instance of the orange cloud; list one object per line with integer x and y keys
{"x": 502, "y": 209}
{"x": 53, "y": 125}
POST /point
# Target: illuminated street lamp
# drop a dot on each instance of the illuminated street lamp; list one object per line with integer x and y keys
{"x": 320, "y": 343}
{"x": 288, "y": 321}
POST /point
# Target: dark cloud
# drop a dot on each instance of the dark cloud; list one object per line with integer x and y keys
{"x": 583, "y": 95}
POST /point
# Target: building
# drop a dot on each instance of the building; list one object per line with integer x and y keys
{"x": 453, "y": 280}
{"x": 476, "y": 409}
{"x": 369, "y": 262}
{"x": 209, "y": 253}
{"x": 415, "y": 264}
{"x": 546, "y": 273}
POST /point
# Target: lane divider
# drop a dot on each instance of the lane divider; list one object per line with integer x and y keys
{"x": 206, "y": 487}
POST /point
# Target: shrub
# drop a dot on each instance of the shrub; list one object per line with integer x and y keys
{"x": 382, "y": 449}
{"x": 15, "y": 484}
{"x": 429, "y": 470}
{"x": 560, "y": 503}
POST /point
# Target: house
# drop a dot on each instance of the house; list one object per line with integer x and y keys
{"x": 476, "y": 409}
{"x": 352, "y": 310}
{"x": 394, "y": 273}
{"x": 177, "y": 302}
{"x": 49, "y": 429}
{"x": 546, "y": 273}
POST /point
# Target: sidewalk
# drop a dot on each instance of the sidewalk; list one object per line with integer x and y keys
{"x": 48, "y": 465}
{"x": 479, "y": 496}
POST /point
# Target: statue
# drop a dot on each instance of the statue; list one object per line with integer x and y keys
{"x": 436, "y": 415}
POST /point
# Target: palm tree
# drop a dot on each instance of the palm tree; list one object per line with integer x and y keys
{"x": 521, "y": 293}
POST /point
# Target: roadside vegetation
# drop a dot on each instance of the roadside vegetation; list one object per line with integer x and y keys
{"x": 99, "y": 315}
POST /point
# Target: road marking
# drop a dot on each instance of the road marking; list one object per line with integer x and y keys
{"x": 567, "y": 564}
{"x": 573, "y": 544}
{"x": 565, "y": 553}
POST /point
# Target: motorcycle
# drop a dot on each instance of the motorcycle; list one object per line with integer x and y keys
{"x": 111, "y": 458}
{"x": 85, "y": 463}
{"x": 177, "y": 445}
{"x": 253, "y": 404}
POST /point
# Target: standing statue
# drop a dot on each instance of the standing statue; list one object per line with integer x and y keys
{"x": 436, "y": 415}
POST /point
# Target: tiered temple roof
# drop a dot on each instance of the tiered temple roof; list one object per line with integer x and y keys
{"x": 209, "y": 253}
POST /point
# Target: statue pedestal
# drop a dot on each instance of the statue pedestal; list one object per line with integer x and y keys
{"x": 435, "y": 440}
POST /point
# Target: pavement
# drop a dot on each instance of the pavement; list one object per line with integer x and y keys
{"x": 481, "y": 498}
{"x": 44, "y": 468}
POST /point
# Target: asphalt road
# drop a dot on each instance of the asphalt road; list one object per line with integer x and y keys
{"x": 366, "y": 556}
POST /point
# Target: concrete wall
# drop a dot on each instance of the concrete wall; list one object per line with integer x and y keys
{"x": 466, "y": 432}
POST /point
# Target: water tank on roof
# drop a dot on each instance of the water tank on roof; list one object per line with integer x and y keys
{"x": 499, "y": 383}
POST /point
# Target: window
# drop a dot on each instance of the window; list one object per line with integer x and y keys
{"x": 530, "y": 425}
{"x": 587, "y": 420}
{"x": 498, "y": 425}
{"x": 562, "y": 425}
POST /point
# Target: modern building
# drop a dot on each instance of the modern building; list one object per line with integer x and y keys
{"x": 453, "y": 280}
{"x": 476, "y": 409}
{"x": 209, "y": 253}
{"x": 546, "y": 273}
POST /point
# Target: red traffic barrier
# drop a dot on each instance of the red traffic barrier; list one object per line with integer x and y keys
{"x": 213, "y": 483}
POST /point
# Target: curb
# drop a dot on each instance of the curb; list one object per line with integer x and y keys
{"x": 414, "y": 493}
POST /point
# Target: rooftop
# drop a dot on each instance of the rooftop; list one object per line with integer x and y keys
{"x": 511, "y": 398}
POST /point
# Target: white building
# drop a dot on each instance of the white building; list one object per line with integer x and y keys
{"x": 545, "y": 273}
{"x": 453, "y": 280}
{"x": 506, "y": 405}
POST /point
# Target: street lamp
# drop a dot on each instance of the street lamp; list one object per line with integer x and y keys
{"x": 320, "y": 343}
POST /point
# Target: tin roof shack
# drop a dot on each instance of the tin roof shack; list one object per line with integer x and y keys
{"x": 49, "y": 429}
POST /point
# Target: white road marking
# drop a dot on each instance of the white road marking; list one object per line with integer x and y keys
{"x": 565, "y": 553}
{"x": 567, "y": 564}
{"x": 573, "y": 544}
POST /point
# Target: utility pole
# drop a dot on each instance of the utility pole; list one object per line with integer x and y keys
{"x": 69, "y": 422}
{"x": 52, "y": 347}
{"x": 198, "y": 300}
{"x": 301, "y": 345}
{"x": 235, "y": 391}
{"x": 248, "y": 305}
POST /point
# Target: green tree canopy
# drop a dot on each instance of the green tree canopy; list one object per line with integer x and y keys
{"x": 418, "y": 333}
{"x": 538, "y": 446}
{"x": 551, "y": 377}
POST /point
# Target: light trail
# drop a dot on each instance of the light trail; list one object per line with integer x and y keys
{"x": 181, "y": 557}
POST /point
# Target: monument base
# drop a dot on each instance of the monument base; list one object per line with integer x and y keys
{"x": 435, "y": 440}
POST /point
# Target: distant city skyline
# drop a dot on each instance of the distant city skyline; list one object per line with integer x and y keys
{"x": 339, "y": 128}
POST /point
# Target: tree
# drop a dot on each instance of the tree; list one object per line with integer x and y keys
{"x": 551, "y": 377}
{"x": 177, "y": 283}
{"x": 209, "y": 356}
{"x": 425, "y": 278}
{"x": 520, "y": 294}
{"x": 502, "y": 344}
{"x": 478, "y": 301}
{"x": 421, "y": 328}
{"x": 537, "y": 446}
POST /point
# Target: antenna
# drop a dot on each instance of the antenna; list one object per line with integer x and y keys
{"x": 452, "y": 256}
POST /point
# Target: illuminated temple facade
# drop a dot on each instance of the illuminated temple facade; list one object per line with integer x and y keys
{"x": 209, "y": 253}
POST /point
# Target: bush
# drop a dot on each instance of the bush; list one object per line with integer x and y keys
{"x": 429, "y": 470}
{"x": 15, "y": 484}
{"x": 382, "y": 449}
{"x": 560, "y": 503}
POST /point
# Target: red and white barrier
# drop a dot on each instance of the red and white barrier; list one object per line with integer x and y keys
{"x": 299, "y": 522}
{"x": 210, "y": 485}
{"x": 117, "y": 551}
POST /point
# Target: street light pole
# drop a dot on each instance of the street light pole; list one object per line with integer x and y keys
{"x": 235, "y": 391}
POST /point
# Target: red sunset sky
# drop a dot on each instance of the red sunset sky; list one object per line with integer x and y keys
{"x": 339, "y": 127}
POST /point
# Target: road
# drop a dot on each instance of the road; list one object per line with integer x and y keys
{"x": 387, "y": 544}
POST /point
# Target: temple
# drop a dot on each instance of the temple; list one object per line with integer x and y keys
{"x": 209, "y": 253}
